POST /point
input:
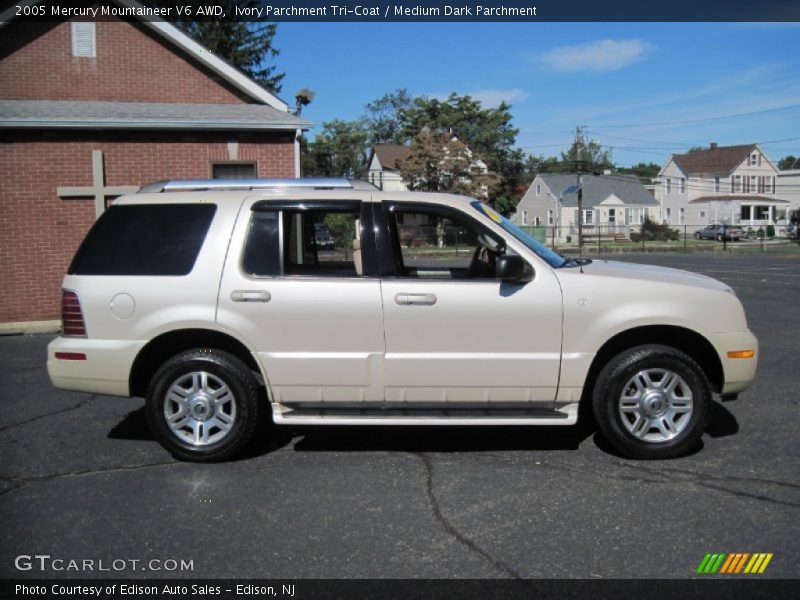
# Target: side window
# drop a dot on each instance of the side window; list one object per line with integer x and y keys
{"x": 145, "y": 239}
{"x": 261, "y": 256}
{"x": 293, "y": 239}
{"x": 322, "y": 243}
{"x": 432, "y": 243}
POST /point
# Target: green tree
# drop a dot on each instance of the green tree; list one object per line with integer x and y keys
{"x": 646, "y": 172}
{"x": 789, "y": 162}
{"x": 383, "y": 118}
{"x": 590, "y": 153}
{"x": 487, "y": 131}
{"x": 247, "y": 46}
{"x": 339, "y": 150}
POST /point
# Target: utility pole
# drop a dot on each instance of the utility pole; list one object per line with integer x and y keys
{"x": 579, "y": 164}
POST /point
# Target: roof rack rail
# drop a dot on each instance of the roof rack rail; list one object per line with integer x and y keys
{"x": 187, "y": 185}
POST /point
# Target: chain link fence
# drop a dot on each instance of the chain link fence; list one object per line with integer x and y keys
{"x": 652, "y": 237}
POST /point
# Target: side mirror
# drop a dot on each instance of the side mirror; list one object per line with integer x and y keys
{"x": 511, "y": 268}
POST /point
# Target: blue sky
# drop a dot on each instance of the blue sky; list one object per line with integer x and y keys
{"x": 633, "y": 84}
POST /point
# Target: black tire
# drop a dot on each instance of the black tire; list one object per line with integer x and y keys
{"x": 698, "y": 235}
{"x": 241, "y": 406}
{"x": 622, "y": 374}
{"x": 719, "y": 237}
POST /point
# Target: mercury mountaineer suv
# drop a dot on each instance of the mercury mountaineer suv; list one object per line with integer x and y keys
{"x": 216, "y": 301}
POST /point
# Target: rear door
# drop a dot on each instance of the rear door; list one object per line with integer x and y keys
{"x": 310, "y": 308}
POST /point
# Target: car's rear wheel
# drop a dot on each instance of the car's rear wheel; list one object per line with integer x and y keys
{"x": 652, "y": 402}
{"x": 719, "y": 237}
{"x": 203, "y": 405}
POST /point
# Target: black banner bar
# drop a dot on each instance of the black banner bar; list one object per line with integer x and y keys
{"x": 453, "y": 11}
{"x": 710, "y": 588}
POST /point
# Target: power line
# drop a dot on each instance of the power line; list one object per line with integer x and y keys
{"x": 704, "y": 120}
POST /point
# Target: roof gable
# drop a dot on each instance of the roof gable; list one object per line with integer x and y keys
{"x": 188, "y": 47}
{"x": 721, "y": 159}
{"x": 390, "y": 156}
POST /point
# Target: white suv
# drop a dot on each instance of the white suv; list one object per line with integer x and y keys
{"x": 215, "y": 300}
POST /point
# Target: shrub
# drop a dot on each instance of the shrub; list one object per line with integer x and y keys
{"x": 770, "y": 231}
{"x": 652, "y": 231}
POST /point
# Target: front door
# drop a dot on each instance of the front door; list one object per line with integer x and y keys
{"x": 303, "y": 293}
{"x": 456, "y": 335}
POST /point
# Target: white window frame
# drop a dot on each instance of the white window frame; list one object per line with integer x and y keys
{"x": 681, "y": 216}
{"x": 716, "y": 185}
{"x": 683, "y": 185}
{"x": 669, "y": 185}
{"x": 85, "y": 28}
{"x": 588, "y": 217}
{"x": 536, "y": 221}
{"x": 538, "y": 189}
{"x": 550, "y": 216}
{"x": 524, "y": 217}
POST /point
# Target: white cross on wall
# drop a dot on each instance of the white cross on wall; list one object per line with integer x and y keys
{"x": 98, "y": 188}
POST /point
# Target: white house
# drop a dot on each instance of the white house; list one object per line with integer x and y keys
{"x": 728, "y": 184}
{"x": 385, "y": 163}
{"x": 789, "y": 188}
{"x": 612, "y": 204}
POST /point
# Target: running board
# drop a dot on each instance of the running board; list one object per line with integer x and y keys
{"x": 350, "y": 415}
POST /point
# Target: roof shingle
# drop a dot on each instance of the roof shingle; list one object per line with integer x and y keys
{"x": 713, "y": 160}
{"x": 391, "y": 156}
{"x": 597, "y": 188}
{"x": 132, "y": 115}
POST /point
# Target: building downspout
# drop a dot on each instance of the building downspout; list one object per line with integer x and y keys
{"x": 298, "y": 133}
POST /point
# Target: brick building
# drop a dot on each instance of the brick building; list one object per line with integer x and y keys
{"x": 92, "y": 110}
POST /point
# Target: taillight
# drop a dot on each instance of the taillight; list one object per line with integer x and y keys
{"x": 72, "y": 315}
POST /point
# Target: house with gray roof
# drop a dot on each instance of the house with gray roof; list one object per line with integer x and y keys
{"x": 613, "y": 204}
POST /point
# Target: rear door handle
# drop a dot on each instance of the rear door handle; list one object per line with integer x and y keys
{"x": 250, "y": 296}
{"x": 415, "y": 299}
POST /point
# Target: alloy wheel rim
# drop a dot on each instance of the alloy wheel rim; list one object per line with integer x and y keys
{"x": 200, "y": 408}
{"x": 656, "y": 405}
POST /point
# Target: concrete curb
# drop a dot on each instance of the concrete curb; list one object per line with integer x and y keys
{"x": 30, "y": 327}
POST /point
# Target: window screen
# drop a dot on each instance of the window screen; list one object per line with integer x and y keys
{"x": 152, "y": 239}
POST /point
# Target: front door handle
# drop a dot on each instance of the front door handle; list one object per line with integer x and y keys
{"x": 415, "y": 299}
{"x": 250, "y": 296}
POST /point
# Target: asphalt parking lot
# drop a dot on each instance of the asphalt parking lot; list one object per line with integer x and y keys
{"x": 81, "y": 478}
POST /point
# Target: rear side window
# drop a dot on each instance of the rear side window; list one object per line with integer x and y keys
{"x": 150, "y": 239}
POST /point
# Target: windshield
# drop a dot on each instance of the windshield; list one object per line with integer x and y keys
{"x": 554, "y": 259}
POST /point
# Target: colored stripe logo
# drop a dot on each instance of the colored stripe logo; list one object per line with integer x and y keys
{"x": 735, "y": 563}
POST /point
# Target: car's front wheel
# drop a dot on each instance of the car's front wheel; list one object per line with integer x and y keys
{"x": 698, "y": 235}
{"x": 652, "y": 402}
{"x": 203, "y": 405}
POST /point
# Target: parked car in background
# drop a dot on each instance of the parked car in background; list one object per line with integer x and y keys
{"x": 719, "y": 233}
{"x": 323, "y": 237}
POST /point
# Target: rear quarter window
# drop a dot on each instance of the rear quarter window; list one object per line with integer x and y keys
{"x": 148, "y": 239}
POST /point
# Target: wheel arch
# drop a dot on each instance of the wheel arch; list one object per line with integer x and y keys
{"x": 161, "y": 348}
{"x": 687, "y": 341}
